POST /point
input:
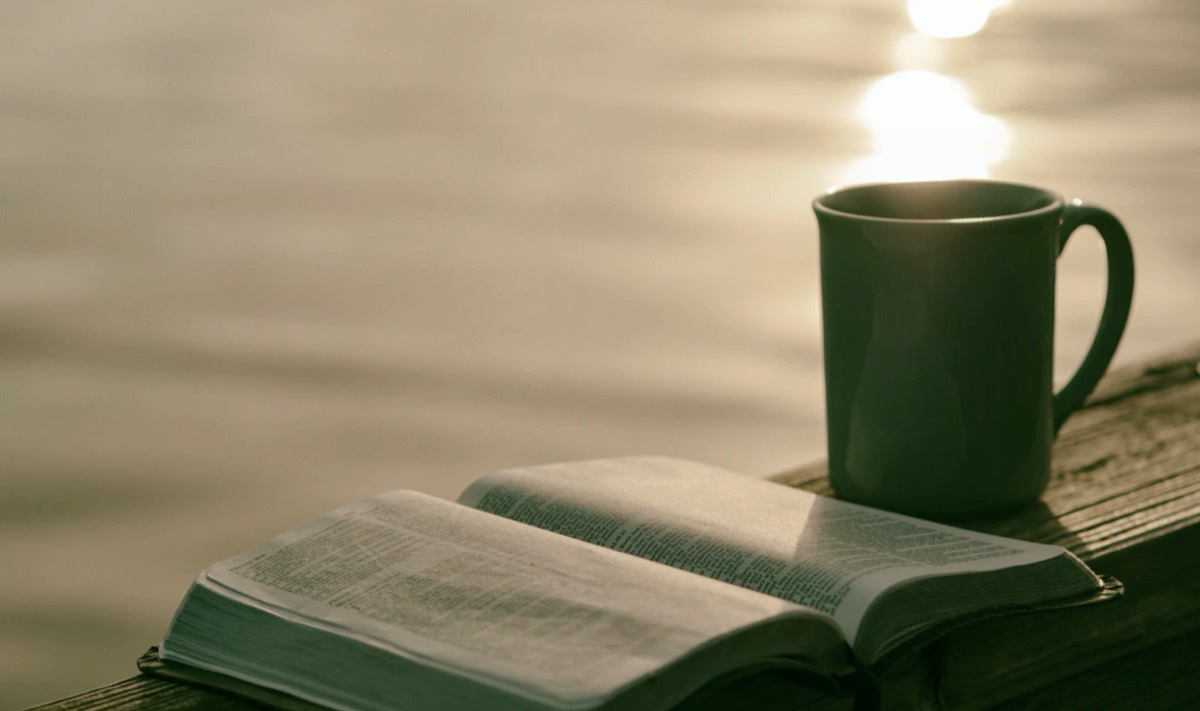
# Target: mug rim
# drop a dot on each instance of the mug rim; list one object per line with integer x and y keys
{"x": 1056, "y": 202}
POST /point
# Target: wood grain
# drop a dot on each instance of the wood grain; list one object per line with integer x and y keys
{"x": 1124, "y": 495}
{"x": 143, "y": 692}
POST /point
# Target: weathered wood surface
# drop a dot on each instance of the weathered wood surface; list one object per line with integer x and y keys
{"x": 143, "y": 692}
{"x": 1125, "y": 496}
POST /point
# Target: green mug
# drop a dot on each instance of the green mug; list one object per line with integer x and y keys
{"x": 938, "y": 318}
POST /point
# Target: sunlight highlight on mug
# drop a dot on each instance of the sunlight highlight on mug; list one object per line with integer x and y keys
{"x": 952, "y": 18}
{"x": 924, "y": 127}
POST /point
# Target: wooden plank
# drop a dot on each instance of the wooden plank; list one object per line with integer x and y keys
{"x": 1161, "y": 678}
{"x": 1125, "y": 495}
{"x": 143, "y": 692}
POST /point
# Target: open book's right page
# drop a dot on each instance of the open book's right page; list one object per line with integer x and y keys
{"x": 828, "y": 554}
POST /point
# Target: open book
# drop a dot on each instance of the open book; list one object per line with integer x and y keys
{"x": 638, "y": 583}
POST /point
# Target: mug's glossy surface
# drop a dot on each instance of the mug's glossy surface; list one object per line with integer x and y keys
{"x": 938, "y": 318}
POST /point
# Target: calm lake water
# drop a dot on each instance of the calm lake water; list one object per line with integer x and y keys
{"x": 258, "y": 260}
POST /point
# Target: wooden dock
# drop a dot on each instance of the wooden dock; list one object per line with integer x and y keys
{"x": 1124, "y": 496}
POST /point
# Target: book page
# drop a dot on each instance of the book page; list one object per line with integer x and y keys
{"x": 831, "y": 555}
{"x": 545, "y": 615}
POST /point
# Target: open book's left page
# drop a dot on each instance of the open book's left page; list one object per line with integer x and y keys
{"x": 540, "y": 615}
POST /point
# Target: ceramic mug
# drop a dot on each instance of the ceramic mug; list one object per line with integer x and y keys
{"x": 938, "y": 319}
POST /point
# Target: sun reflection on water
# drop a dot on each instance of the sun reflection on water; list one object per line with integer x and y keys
{"x": 952, "y": 18}
{"x": 924, "y": 124}
{"x": 926, "y": 128}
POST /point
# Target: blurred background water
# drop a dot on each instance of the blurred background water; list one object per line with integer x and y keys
{"x": 260, "y": 259}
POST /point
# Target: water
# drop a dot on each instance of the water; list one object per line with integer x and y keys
{"x": 259, "y": 260}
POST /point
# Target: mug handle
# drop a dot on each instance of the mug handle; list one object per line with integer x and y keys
{"x": 1117, "y": 299}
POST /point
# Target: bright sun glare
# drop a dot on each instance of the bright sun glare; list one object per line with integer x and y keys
{"x": 951, "y": 18}
{"x": 925, "y": 128}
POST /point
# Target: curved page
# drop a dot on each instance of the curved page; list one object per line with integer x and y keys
{"x": 542, "y": 615}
